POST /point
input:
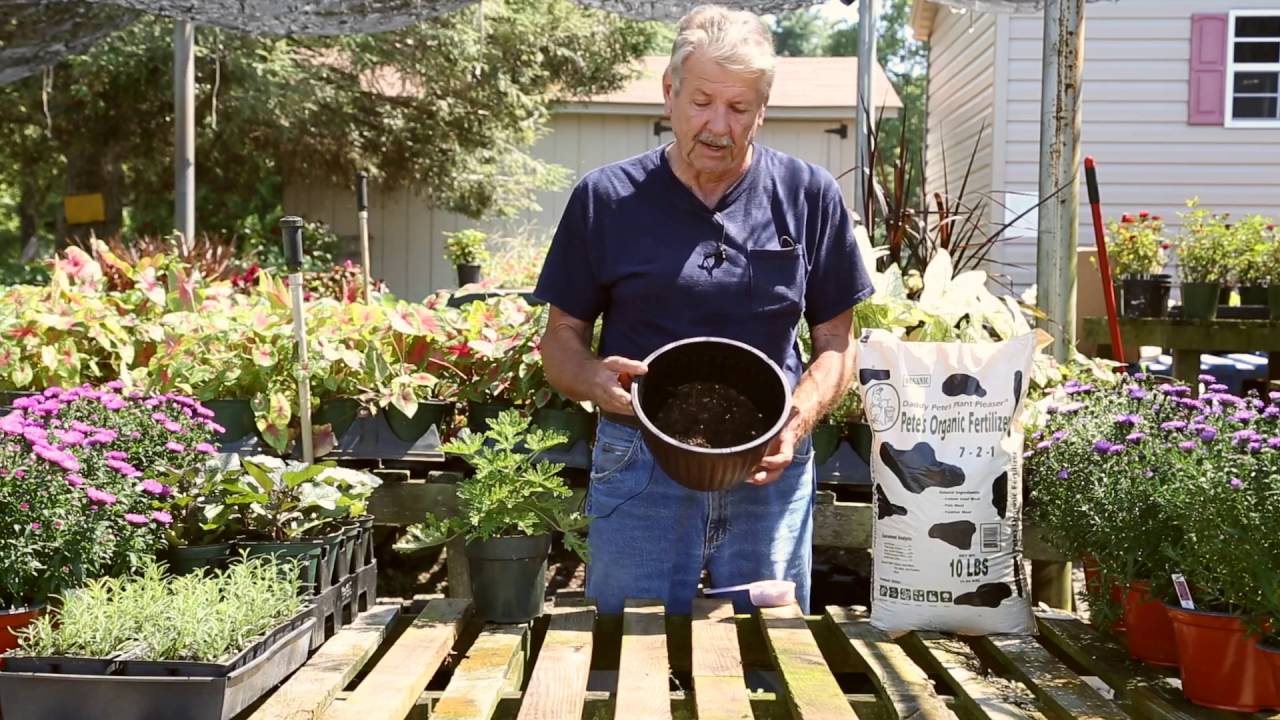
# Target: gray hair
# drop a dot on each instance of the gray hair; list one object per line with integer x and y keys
{"x": 737, "y": 40}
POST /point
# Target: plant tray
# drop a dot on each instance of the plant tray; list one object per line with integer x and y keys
{"x": 44, "y": 696}
{"x": 368, "y": 438}
{"x": 338, "y": 606}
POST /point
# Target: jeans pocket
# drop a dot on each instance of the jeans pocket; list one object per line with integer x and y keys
{"x": 777, "y": 279}
{"x": 616, "y": 447}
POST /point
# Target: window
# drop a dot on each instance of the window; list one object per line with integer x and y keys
{"x": 1253, "y": 68}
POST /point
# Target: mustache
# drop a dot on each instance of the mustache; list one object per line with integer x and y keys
{"x": 721, "y": 141}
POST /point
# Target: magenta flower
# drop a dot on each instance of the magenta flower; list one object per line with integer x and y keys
{"x": 1206, "y": 378}
{"x": 1244, "y": 416}
{"x": 1271, "y": 413}
{"x": 1236, "y": 484}
{"x": 1116, "y": 449}
{"x": 62, "y": 459}
{"x": 1044, "y": 445}
{"x": 1059, "y": 435}
{"x": 1063, "y": 474}
{"x": 154, "y": 487}
{"x": 1173, "y": 425}
{"x": 114, "y": 404}
{"x": 215, "y": 427}
{"x": 206, "y": 448}
{"x": 70, "y": 437}
{"x": 1102, "y": 447}
{"x": 1218, "y": 388}
{"x": 12, "y": 423}
{"x": 74, "y": 480}
{"x": 19, "y": 473}
{"x": 162, "y": 517}
{"x": 52, "y": 392}
{"x": 116, "y": 455}
{"x": 177, "y": 447}
{"x": 1134, "y": 437}
{"x": 105, "y": 436}
{"x": 1187, "y": 445}
{"x": 151, "y": 402}
{"x": 160, "y": 417}
{"x": 1136, "y": 393}
{"x": 100, "y": 496}
{"x": 23, "y": 506}
{"x": 204, "y": 412}
{"x": 1208, "y": 434}
{"x": 123, "y": 468}
{"x": 173, "y": 427}
{"x": 35, "y": 526}
{"x": 1128, "y": 419}
{"x": 135, "y": 519}
{"x": 1140, "y": 375}
{"x": 116, "y": 385}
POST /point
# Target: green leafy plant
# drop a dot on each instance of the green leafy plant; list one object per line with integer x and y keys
{"x": 1205, "y": 252}
{"x": 466, "y": 247}
{"x": 511, "y": 492}
{"x": 1136, "y": 245}
{"x": 203, "y": 617}
{"x": 278, "y": 501}
{"x": 1253, "y": 240}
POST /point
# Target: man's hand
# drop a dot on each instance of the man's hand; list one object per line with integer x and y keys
{"x": 611, "y": 384}
{"x": 780, "y": 453}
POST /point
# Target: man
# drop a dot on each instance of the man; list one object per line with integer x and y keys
{"x": 710, "y": 235}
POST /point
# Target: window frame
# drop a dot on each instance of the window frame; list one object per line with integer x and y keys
{"x": 1229, "y": 119}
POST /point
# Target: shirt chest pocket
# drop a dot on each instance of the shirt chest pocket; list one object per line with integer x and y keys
{"x": 777, "y": 279}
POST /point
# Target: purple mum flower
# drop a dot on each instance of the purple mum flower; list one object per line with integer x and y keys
{"x": 1187, "y": 445}
{"x": 204, "y": 412}
{"x": 1218, "y": 388}
{"x": 1206, "y": 378}
{"x": 1254, "y": 447}
{"x": 1059, "y": 435}
{"x": 206, "y": 448}
{"x": 160, "y": 417}
{"x": 1044, "y": 445}
{"x": 1208, "y": 434}
{"x": 1078, "y": 389}
{"x": 1140, "y": 375}
{"x": 1273, "y": 443}
{"x": 177, "y": 447}
{"x": 135, "y": 519}
{"x": 215, "y": 427}
{"x": 116, "y": 455}
{"x": 115, "y": 385}
{"x": 1071, "y": 408}
{"x": 1134, "y": 437}
{"x": 154, "y": 487}
{"x": 62, "y": 459}
{"x": 74, "y": 480}
{"x": 1236, "y": 484}
{"x": 1116, "y": 449}
{"x": 12, "y": 423}
{"x": 173, "y": 427}
{"x": 1243, "y": 436}
{"x": 114, "y": 404}
{"x": 70, "y": 437}
{"x": 1102, "y": 447}
{"x": 52, "y": 392}
{"x": 1063, "y": 474}
{"x": 1136, "y": 393}
{"x": 1128, "y": 419}
{"x": 1244, "y": 416}
{"x": 1173, "y": 425}
{"x": 1271, "y": 413}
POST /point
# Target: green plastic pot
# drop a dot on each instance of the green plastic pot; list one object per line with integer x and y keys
{"x": 479, "y": 414}
{"x": 1253, "y": 295}
{"x": 860, "y": 439}
{"x": 509, "y": 577}
{"x": 332, "y": 543}
{"x": 347, "y": 551}
{"x": 338, "y": 413}
{"x": 189, "y": 558}
{"x": 1200, "y": 300}
{"x": 826, "y": 438}
{"x": 579, "y": 425}
{"x": 309, "y": 551}
{"x": 362, "y": 552}
{"x": 429, "y": 412}
{"x": 235, "y": 416}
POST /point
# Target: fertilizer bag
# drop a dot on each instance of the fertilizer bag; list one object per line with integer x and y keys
{"x": 946, "y": 465}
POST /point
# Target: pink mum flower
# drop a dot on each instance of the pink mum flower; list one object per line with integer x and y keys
{"x": 162, "y": 517}
{"x": 135, "y": 519}
{"x": 100, "y": 496}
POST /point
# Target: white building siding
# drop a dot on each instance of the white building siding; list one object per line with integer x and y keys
{"x": 961, "y": 95}
{"x": 1135, "y": 121}
{"x": 406, "y": 232}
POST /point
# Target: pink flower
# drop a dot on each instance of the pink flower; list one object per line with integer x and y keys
{"x": 116, "y": 455}
{"x": 204, "y": 412}
{"x": 135, "y": 519}
{"x": 114, "y": 404}
{"x": 12, "y": 423}
{"x": 35, "y": 526}
{"x": 206, "y": 448}
{"x": 154, "y": 487}
{"x": 162, "y": 517}
{"x": 57, "y": 524}
{"x": 74, "y": 480}
{"x": 123, "y": 468}
{"x": 173, "y": 427}
{"x": 160, "y": 417}
{"x": 62, "y": 459}
{"x": 23, "y": 506}
{"x": 115, "y": 385}
{"x": 177, "y": 447}
{"x": 215, "y": 427}
{"x": 52, "y": 392}
{"x": 19, "y": 473}
{"x": 100, "y": 496}
{"x": 82, "y": 427}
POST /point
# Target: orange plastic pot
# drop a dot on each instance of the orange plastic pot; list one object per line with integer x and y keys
{"x": 1149, "y": 632}
{"x": 1093, "y": 581}
{"x": 12, "y": 621}
{"x": 1222, "y": 665}
{"x": 1271, "y": 653}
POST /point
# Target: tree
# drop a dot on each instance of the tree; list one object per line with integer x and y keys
{"x": 449, "y": 105}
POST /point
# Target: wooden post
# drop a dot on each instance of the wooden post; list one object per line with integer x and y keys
{"x": 1060, "y": 114}
{"x": 184, "y": 130}
{"x": 1051, "y": 583}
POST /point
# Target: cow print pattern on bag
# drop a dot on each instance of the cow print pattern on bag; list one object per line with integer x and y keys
{"x": 958, "y": 534}
{"x": 885, "y": 508}
{"x": 988, "y": 595}
{"x": 963, "y": 384}
{"x": 918, "y": 469}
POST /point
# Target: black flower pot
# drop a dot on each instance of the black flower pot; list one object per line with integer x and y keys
{"x": 1145, "y": 297}
{"x": 860, "y": 439}
{"x": 1200, "y": 300}
{"x": 826, "y": 438}
{"x": 1224, "y": 295}
{"x": 236, "y": 418}
{"x": 189, "y": 558}
{"x": 1273, "y": 301}
{"x": 480, "y": 413}
{"x": 509, "y": 577}
{"x": 719, "y": 360}
{"x": 338, "y": 413}
{"x": 1253, "y": 295}
{"x": 468, "y": 273}
{"x": 429, "y": 412}
{"x": 578, "y": 424}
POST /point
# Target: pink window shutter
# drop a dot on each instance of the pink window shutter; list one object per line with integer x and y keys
{"x": 1207, "y": 93}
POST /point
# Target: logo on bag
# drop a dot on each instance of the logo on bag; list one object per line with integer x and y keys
{"x": 924, "y": 380}
{"x": 884, "y": 405}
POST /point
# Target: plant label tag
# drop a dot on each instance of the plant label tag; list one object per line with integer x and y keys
{"x": 1184, "y": 592}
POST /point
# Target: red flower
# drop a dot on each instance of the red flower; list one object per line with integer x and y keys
{"x": 1126, "y": 218}
{"x": 1164, "y": 246}
{"x": 1272, "y": 226}
{"x": 1143, "y": 214}
{"x": 1155, "y": 217}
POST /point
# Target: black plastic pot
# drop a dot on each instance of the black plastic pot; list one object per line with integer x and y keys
{"x": 38, "y": 696}
{"x": 347, "y": 551}
{"x": 1253, "y": 295}
{"x": 1145, "y": 297}
{"x": 235, "y": 416}
{"x": 479, "y": 414}
{"x": 1224, "y": 295}
{"x": 309, "y": 553}
{"x": 579, "y": 424}
{"x": 188, "y": 558}
{"x": 332, "y": 544}
{"x": 826, "y": 438}
{"x": 468, "y": 273}
{"x": 719, "y": 360}
{"x": 1273, "y": 301}
{"x": 860, "y": 439}
{"x": 338, "y": 413}
{"x": 429, "y": 412}
{"x": 362, "y": 554}
{"x": 63, "y": 665}
{"x": 509, "y": 577}
{"x": 1200, "y": 300}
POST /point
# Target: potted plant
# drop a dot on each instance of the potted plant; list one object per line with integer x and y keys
{"x": 213, "y": 645}
{"x": 466, "y": 250}
{"x": 1269, "y": 274}
{"x": 80, "y": 486}
{"x": 1136, "y": 250}
{"x": 507, "y": 510}
{"x": 202, "y": 524}
{"x": 417, "y": 383}
{"x": 1205, "y": 260}
{"x": 1251, "y": 252}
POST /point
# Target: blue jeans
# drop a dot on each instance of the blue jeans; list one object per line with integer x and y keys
{"x": 651, "y": 537}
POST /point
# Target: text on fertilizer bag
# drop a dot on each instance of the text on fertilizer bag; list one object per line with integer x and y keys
{"x": 944, "y": 421}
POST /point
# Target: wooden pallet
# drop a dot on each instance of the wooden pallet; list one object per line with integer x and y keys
{"x": 715, "y": 665}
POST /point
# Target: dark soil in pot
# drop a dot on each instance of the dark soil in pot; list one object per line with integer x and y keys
{"x": 711, "y": 415}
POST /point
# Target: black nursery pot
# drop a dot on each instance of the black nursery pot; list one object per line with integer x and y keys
{"x": 719, "y": 360}
{"x": 1146, "y": 297}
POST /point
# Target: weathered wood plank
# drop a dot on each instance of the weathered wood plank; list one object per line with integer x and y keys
{"x": 558, "y": 687}
{"x": 459, "y": 568}
{"x": 308, "y": 693}
{"x": 1062, "y": 693}
{"x": 897, "y": 677}
{"x": 1139, "y": 688}
{"x": 977, "y": 696}
{"x": 643, "y": 692}
{"x": 719, "y": 690}
{"x": 812, "y": 690}
{"x": 494, "y": 663}
{"x": 392, "y": 687}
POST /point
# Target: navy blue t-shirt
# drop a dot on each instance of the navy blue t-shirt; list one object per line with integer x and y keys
{"x": 639, "y": 247}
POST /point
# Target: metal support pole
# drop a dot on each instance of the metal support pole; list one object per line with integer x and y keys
{"x": 184, "y": 131}
{"x": 362, "y": 210}
{"x": 291, "y": 235}
{"x": 867, "y": 20}
{"x": 1060, "y": 114}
